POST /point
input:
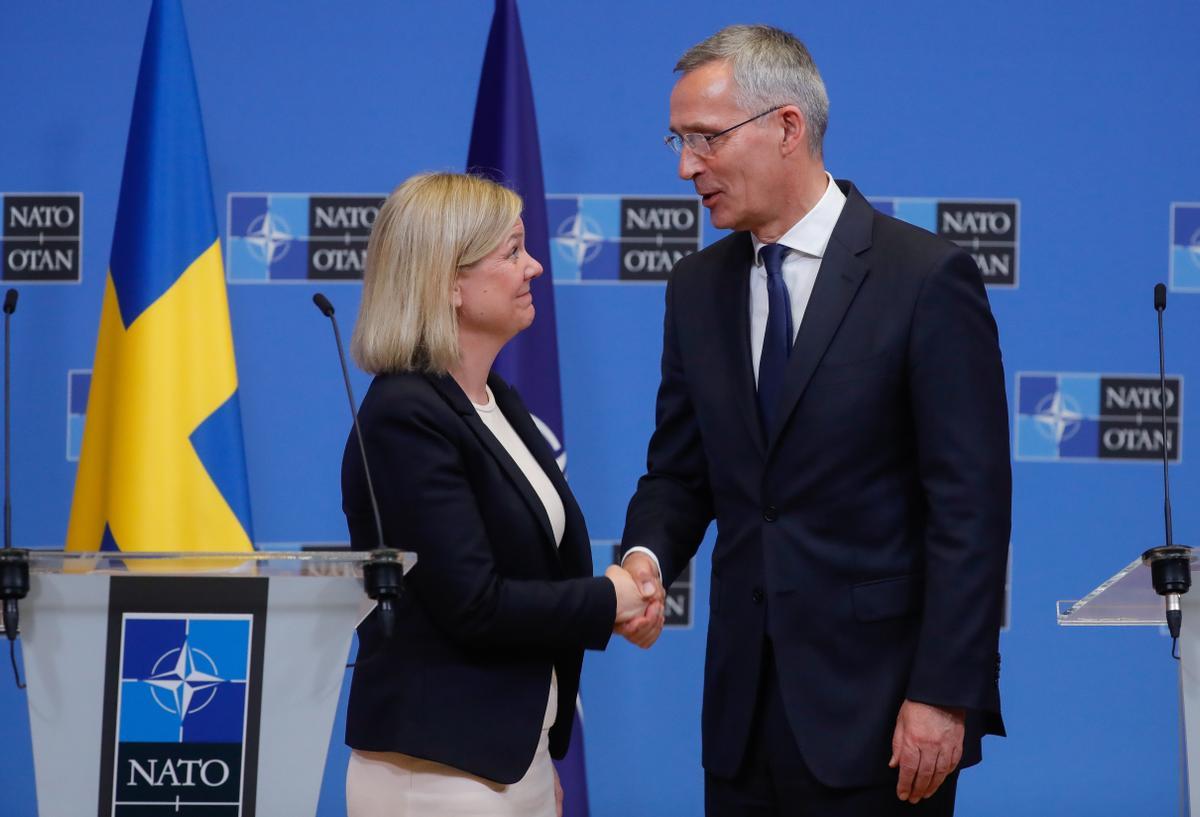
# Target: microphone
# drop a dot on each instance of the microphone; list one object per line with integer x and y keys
{"x": 326, "y": 308}
{"x": 383, "y": 575}
{"x": 14, "y": 564}
{"x": 1170, "y": 564}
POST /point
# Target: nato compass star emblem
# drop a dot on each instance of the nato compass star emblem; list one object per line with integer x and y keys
{"x": 579, "y": 239}
{"x": 1194, "y": 248}
{"x": 1058, "y": 417}
{"x": 269, "y": 237}
{"x": 184, "y": 680}
{"x": 556, "y": 446}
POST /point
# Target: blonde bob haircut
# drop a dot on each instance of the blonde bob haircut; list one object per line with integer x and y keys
{"x": 431, "y": 227}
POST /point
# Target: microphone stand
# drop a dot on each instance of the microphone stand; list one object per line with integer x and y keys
{"x": 1170, "y": 564}
{"x": 383, "y": 575}
{"x": 14, "y": 563}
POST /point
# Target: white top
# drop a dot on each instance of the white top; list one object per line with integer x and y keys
{"x": 498, "y": 424}
{"x": 807, "y": 241}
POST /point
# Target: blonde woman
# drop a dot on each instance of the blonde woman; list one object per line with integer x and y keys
{"x": 461, "y": 710}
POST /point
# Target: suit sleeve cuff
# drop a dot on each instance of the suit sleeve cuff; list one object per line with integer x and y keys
{"x": 599, "y": 628}
{"x": 648, "y": 552}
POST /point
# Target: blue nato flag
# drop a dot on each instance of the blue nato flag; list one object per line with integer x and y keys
{"x": 504, "y": 146}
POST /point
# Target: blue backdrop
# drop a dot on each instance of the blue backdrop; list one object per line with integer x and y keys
{"x": 1082, "y": 112}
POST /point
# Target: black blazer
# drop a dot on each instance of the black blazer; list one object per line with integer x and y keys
{"x": 491, "y": 605}
{"x": 866, "y": 535}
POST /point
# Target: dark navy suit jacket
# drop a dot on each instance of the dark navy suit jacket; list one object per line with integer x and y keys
{"x": 866, "y": 534}
{"x": 491, "y": 605}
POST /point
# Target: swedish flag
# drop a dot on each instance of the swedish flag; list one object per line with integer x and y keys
{"x": 162, "y": 465}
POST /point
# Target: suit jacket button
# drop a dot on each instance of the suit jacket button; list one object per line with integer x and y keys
{"x": 771, "y": 513}
{"x": 757, "y": 595}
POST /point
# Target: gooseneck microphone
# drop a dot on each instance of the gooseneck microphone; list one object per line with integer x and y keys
{"x": 14, "y": 564}
{"x": 1170, "y": 564}
{"x": 383, "y": 575}
{"x": 1160, "y": 306}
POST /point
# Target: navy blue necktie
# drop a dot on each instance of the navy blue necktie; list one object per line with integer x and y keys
{"x": 777, "y": 340}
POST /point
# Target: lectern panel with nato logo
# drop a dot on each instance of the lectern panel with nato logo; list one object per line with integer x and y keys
{"x": 202, "y": 685}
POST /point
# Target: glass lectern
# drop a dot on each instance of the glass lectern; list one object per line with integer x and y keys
{"x": 172, "y": 683}
{"x": 1128, "y": 600}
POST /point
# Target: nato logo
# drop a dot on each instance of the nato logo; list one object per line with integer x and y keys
{"x": 42, "y": 233}
{"x": 181, "y": 714}
{"x": 552, "y": 440}
{"x": 1087, "y": 417}
{"x": 987, "y": 229}
{"x": 1185, "y": 247}
{"x": 291, "y": 237}
{"x": 608, "y": 238}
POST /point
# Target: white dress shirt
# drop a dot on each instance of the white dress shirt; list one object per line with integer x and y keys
{"x": 806, "y": 240}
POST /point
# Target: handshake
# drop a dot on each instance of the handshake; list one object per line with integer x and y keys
{"x": 640, "y": 599}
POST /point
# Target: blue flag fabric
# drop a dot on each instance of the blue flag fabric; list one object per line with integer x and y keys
{"x": 504, "y": 146}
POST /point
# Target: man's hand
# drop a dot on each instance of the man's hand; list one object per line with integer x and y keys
{"x": 927, "y": 746}
{"x": 645, "y": 629}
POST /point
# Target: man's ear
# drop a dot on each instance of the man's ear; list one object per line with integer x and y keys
{"x": 795, "y": 130}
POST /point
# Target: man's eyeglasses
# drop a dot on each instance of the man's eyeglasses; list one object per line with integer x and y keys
{"x": 701, "y": 143}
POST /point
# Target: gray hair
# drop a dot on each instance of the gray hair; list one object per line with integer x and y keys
{"x": 770, "y": 67}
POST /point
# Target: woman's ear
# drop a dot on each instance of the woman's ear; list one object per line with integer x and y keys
{"x": 456, "y": 296}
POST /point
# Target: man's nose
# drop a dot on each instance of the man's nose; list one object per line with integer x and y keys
{"x": 689, "y": 163}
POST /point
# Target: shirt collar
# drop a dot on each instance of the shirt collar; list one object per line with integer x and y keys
{"x": 810, "y": 235}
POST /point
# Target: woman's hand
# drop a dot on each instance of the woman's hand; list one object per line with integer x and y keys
{"x": 630, "y": 601}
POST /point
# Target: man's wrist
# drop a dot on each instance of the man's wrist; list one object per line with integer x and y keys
{"x": 648, "y": 552}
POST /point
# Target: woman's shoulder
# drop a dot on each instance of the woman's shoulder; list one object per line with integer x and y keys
{"x": 410, "y": 395}
{"x": 411, "y": 383}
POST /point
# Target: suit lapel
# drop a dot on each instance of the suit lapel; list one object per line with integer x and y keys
{"x": 509, "y": 402}
{"x": 733, "y": 292}
{"x": 841, "y": 274}
{"x": 455, "y": 396}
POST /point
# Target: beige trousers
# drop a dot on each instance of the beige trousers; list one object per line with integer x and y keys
{"x": 390, "y": 784}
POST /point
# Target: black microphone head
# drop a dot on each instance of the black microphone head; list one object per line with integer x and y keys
{"x": 1160, "y": 297}
{"x": 322, "y": 304}
{"x": 10, "y": 302}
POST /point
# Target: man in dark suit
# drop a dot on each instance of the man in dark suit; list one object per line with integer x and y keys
{"x": 833, "y": 396}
